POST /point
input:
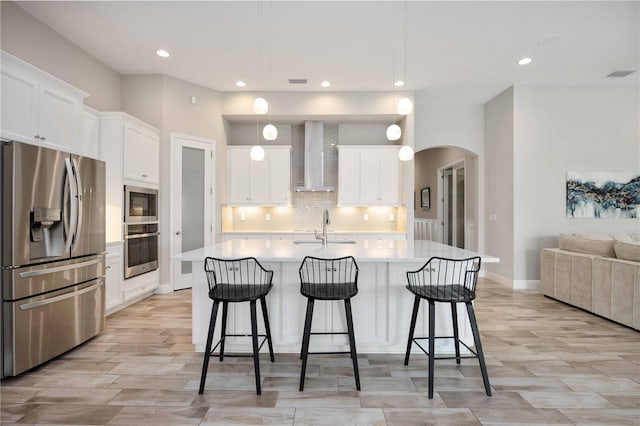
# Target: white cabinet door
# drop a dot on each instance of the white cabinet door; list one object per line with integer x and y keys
{"x": 369, "y": 177}
{"x": 259, "y": 177}
{"x": 19, "y": 106}
{"x": 89, "y": 143}
{"x": 113, "y": 279}
{"x": 38, "y": 108}
{"x": 239, "y": 176}
{"x": 141, "y": 154}
{"x": 388, "y": 177}
{"x": 262, "y": 183}
{"x": 280, "y": 175}
{"x": 58, "y": 119}
{"x": 348, "y": 176}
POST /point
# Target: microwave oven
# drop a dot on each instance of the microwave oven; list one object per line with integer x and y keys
{"x": 140, "y": 204}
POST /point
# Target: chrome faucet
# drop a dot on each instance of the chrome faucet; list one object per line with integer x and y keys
{"x": 325, "y": 221}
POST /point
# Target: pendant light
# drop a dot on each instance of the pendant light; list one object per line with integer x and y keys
{"x": 394, "y": 132}
{"x": 405, "y": 106}
{"x": 270, "y": 132}
{"x": 260, "y": 104}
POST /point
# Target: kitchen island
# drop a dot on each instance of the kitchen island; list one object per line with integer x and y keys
{"x": 381, "y": 310}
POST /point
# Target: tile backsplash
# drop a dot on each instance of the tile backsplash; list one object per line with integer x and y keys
{"x": 305, "y": 213}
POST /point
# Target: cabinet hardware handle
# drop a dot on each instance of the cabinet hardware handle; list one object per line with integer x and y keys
{"x": 144, "y": 176}
{"x": 42, "y": 138}
{"x": 36, "y": 137}
{"x": 178, "y": 232}
{"x": 107, "y": 267}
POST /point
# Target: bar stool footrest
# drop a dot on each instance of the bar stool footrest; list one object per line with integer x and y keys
{"x": 263, "y": 336}
{"x": 475, "y": 354}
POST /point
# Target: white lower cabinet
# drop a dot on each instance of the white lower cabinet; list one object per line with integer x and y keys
{"x": 113, "y": 280}
{"x": 140, "y": 286}
{"x": 120, "y": 292}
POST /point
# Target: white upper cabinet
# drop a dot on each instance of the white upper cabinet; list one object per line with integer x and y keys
{"x": 90, "y": 134}
{"x": 262, "y": 183}
{"x": 141, "y": 152}
{"x": 369, "y": 176}
{"x": 38, "y": 108}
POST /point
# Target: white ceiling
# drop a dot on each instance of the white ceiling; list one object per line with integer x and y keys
{"x": 458, "y": 52}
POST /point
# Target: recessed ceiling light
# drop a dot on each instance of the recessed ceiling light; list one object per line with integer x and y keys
{"x": 240, "y": 83}
{"x": 524, "y": 61}
{"x": 325, "y": 84}
{"x": 162, "y": 53}
{"x": 399, "y": 83}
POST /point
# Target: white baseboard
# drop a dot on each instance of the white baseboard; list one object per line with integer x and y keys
{"x": 527, "y": 285}
{"x": 514, "y": 284}
{"x": 164, "y": 289}
{"x": 507, "y": 282}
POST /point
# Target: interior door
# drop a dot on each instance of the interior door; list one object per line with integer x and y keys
{"x": 191, "y": 202}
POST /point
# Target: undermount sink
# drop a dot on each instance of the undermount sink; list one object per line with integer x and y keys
{"x": 320, "y": 242}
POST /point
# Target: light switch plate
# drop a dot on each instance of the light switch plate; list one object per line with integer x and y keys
{"x": 365, "y": 217}
{"x": 242, "y": 217}
{"x": 267, "y": 217}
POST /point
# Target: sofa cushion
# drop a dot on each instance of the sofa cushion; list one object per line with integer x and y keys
{"x": 588, "y": 244}
{"x": 627, "y": 250}
{"x": 628, "y": 238}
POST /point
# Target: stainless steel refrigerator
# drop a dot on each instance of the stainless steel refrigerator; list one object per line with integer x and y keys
{"x": 53, "y": 246}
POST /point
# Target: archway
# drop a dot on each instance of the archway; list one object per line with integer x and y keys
{"x": 448, "y": 176}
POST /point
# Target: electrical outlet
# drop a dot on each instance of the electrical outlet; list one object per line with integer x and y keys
{"x": 391, "y": 217}
{"x": 267, "y": 217}
{"x": 493, "y": 217}
{"x": 243, "y": 217}
{"x": 365, "y": 217}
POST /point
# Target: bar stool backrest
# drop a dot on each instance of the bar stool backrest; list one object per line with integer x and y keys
{"x": 232, "y": 277}
{"x": 452, "y": 280}
{"x": 329, "y": 278}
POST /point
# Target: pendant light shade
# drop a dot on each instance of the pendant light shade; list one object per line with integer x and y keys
{"x": 394, "y": 132}
{"x": 257, "y": 153}
{"x": 270, "y": 132}
{"x": 405, "y": 153}
{"x": 405, "y": 106}
{"x": 260, "y": 106}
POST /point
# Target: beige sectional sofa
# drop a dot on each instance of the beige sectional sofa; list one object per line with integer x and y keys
{"x": 600, "y": 274}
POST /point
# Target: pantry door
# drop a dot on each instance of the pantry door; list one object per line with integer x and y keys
{"x": 192, "y": 195}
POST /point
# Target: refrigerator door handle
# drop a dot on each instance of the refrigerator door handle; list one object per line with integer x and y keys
{"x": 73, "y": 215}
{"x": 40, "y": 272}
{"x": 31, "y": 305}
{"x": 79, "y": 199}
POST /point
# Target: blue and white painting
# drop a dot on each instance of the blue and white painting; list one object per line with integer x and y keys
{"x": 603, "y": 195}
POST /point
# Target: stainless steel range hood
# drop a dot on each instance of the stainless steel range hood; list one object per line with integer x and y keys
{"x": 314, "y": 159}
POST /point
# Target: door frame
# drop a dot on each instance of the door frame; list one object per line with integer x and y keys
{"x": 173, "y": 167}
{"x": 458, "y": 164}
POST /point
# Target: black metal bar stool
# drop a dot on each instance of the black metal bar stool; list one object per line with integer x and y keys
{"x": 448, "y": 281}
{"x": 328, "y": 279}
{"x": 233, "y": 281}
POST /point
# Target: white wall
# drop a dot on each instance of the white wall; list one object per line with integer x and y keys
{"x": 459, "y": 126}
{"x": 25, "y": 37}
{"x": 499, "y": 184}
{"x": 562, "y": 129}
{"x": 165, "y": 102}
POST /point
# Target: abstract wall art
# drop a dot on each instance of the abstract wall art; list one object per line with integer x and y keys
{"x": 603, "y": 195}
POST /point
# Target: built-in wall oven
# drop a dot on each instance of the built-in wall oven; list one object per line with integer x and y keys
{"x": 140, "y": 204}
{"x": 140, "y": 248}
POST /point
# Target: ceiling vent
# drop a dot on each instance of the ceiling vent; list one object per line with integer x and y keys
{"x": 297, "y": 81}
{"x": 621, "y": 73}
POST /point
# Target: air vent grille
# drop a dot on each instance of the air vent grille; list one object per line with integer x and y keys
{"x": 297, "y": 81}
{"x": 621, "y": 73}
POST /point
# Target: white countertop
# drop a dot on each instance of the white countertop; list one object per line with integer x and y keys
{"x": 311, "y": 231}
{"x": 363, "y": 251}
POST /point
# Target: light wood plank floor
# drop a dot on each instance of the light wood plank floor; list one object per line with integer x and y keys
{"x": 548, "y": 364}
